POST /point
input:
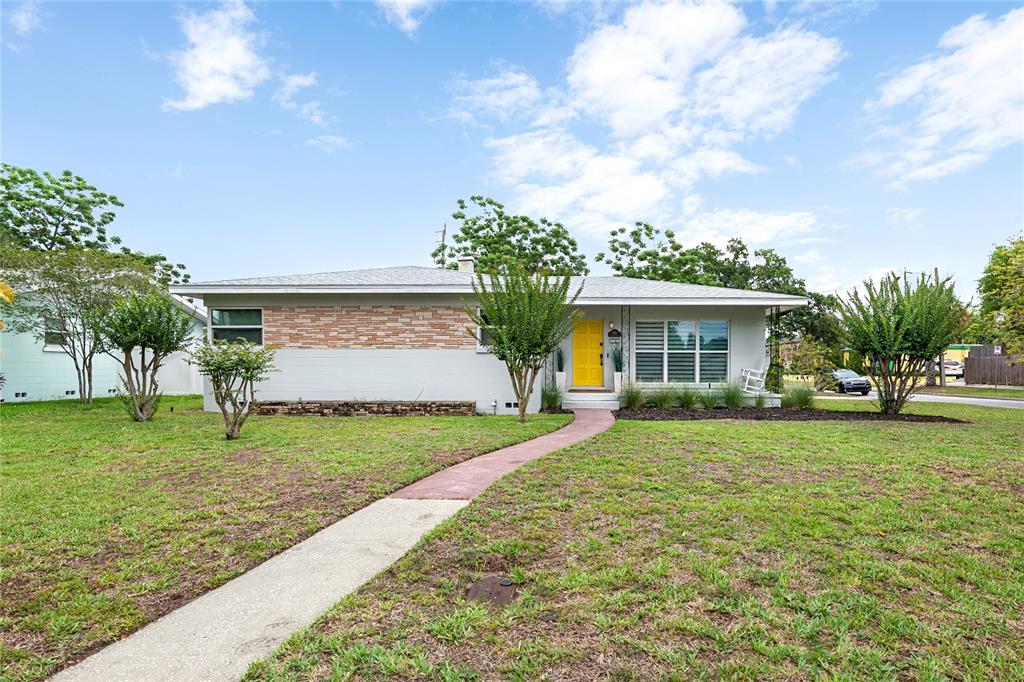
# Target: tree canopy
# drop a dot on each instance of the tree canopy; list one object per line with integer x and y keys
{"x": 645, "y": 252}
{"x": 47, "y": 212}
{"x": 497, "y": 239}
{"x": 1001, "y": 288}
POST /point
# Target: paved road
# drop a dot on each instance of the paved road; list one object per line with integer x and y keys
{"x": 1008, "y": 403}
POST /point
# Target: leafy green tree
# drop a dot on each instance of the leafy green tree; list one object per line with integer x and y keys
{"x": 234, "y": 369}
{"x": 67, "y": 294}
{"x": 47, "y": 212}
{"x": 1002, "y": 295}
{"x": 900, "y": 327}
{"x": 523, "y": 316}
{"x": 144, "y": 329}
{"x": 497, "y": 239}
{"x": 643, "y": 251}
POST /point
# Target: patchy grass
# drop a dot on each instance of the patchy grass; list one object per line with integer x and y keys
{"x": 714, "y": 550}
{"x": 108, "y": 524}
{"x": 975, "y": 391}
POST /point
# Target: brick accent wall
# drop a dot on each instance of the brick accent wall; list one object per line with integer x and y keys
{"x": 378, "y": 326}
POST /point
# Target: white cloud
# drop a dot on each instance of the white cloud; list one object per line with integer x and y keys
{"x": 222, "y": 62}
{"x": 311, "y": 111}
{"x": 24, "y": 17}
{"x": 632, "y": 75}
{"x": 510, "y": 92}
{"x": 328, "y": 143}
{"x": 406, "y": 15}
{"x": 963, "y": 104}
{"x": 902, "y": 215}
{"x": 663, "y": 98}
{"x": 754, "y": 227}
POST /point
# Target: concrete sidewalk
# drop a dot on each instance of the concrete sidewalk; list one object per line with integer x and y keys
{"x": 217, "y": 636}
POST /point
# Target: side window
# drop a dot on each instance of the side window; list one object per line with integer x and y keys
{"x": 237, "y": 324}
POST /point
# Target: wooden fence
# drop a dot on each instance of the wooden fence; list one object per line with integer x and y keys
{"x": 983, "y": 366}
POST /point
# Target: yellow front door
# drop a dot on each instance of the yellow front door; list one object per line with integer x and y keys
{"x": 587, "y": 350}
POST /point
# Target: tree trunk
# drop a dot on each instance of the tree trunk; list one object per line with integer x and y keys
{"x": 929, "y": 374}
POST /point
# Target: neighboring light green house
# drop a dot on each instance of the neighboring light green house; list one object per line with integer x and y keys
{"x": 34, "y": 370}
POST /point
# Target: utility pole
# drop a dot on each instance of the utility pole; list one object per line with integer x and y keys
{"x": 444, "y": 253}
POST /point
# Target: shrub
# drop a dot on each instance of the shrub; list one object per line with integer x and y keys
{"x": 733, "y": 396}
{"x": 798, "y": 397}
{"x": 550, "y": 397}
{"x": 144, "y": 330}
{"x": 663, "y": 398}
{"x": 234, "y": 369}
{"x": 617, "y": 358}
{"x": 708, "y": 399}
{"x": 687, "y": 398}
{"x": 631, "y": 397}
{"x": 760, "y": 401}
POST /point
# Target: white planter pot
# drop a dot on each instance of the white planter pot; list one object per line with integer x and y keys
{"x": 617, "y": 382}
{"x": 560, "y": 381}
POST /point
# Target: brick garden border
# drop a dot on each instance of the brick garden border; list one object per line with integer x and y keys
{"x": 367, "y": 408}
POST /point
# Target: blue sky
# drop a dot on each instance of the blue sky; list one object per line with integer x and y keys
{"x": 271, "y": 137}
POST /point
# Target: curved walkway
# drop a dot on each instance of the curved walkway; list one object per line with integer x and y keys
{"x": 219, "y": 634}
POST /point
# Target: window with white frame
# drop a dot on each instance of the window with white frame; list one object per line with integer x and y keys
{"x": 685, "y": 351}
{"x": 237, "y": 324}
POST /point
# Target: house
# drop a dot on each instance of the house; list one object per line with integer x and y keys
{"x": 401, "y": 333}
{"x": 36, "y": 369}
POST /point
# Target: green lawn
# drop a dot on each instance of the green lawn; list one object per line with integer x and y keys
{"x": 977, "y": 391}
{"x": 714, "y": 550}
{"x": 107, "y": 524}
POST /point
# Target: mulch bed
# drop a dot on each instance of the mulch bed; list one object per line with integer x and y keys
{"x": 558, "y": 410}
{"x": 776, "y": 414}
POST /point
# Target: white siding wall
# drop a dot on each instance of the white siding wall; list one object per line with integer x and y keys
{"x": 367, "y": 374}
{"x": 49, "y": 374}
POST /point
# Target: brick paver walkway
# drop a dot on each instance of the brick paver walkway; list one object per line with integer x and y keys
{"x": 468, "y": 479}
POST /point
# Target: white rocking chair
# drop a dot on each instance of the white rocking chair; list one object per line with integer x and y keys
{"x": 753, "y": 379}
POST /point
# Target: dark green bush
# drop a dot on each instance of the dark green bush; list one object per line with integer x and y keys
{"x": 798, "y": 397}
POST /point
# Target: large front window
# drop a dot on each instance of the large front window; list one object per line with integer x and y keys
{"x": 687, "y": 351}
{"x": 237, "y": 324}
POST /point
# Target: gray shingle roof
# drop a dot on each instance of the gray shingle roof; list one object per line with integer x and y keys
{"x": 434, "y": 280}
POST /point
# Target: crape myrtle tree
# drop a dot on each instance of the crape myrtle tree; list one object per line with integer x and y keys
{"x": 234, "y": 369}
{"x": 141, "y": 331}
{"x": 497, "y": 239}
{"x": 65, "y": 296}
{"x": 900, "y": 326}
{"x": 523, "y": 317}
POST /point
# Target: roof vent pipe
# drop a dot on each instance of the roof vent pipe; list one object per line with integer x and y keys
{"x": 466, "y": 264}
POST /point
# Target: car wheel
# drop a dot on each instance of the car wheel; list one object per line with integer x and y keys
{"x": 865, "y": 392}
{"x": 841, "y": 389}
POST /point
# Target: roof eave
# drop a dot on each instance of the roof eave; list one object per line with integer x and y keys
{"x": 198, "y": 290}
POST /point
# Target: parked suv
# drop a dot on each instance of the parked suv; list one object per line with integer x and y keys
{"x": 848, "y": 381}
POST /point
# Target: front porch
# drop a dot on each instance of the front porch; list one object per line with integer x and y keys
{"x": 701, "y": 347}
